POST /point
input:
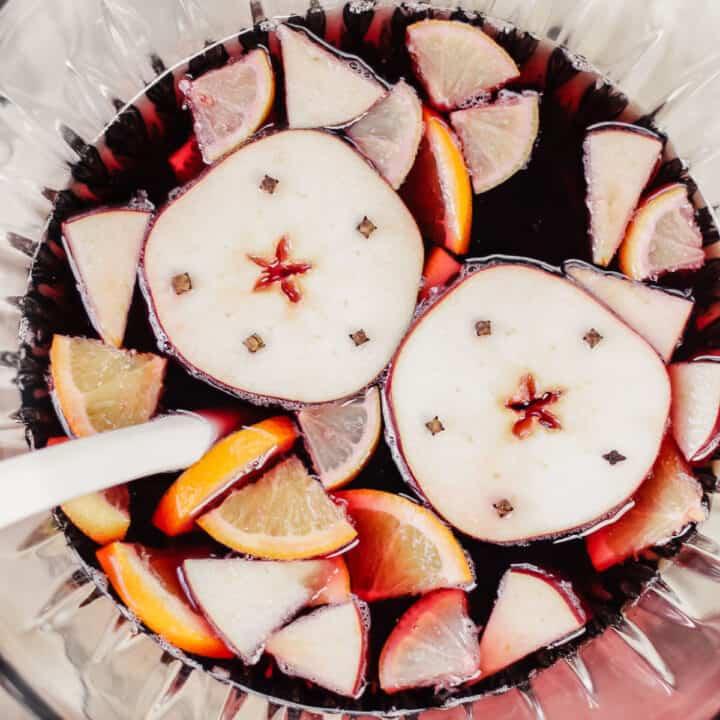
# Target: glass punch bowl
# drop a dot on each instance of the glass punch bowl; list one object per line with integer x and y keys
{"x": 66, "y": 651}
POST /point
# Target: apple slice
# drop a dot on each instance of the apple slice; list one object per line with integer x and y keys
{"x": 656, "y": 314}
{"x": 437, "y": 190}
{"x": 434, "y": 644}
{"x": 247, "y": 600}
{"x": 619, "y": 162}
{"x": 498, "y": 137}
{"x": 322, "y": 87}
{"x": 229, "y": 104}
{"x": 665, "y": 504}
{"x": 103, "y": 249}
{"x": 327, "y": 647}
{"x": 457, "y": 62}
{"x": 338, "y": 588}
{"x": 696, "y": 407}
{"x": 515, "y": 401}
{"x": 533, "y": 610}
{"x": 306, "y": 278}
{"x": 389, "y": 134}
{"x": 663, "y": 236}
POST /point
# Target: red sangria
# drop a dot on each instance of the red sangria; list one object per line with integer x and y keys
{"x": 450, "y": 288}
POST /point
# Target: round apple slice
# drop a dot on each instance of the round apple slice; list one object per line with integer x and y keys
{"x": 229, "y": 104}
{"x": 457, "y": 62}
{"x": 498, "y": 137}
{"x": 663, "y": 236}
{"x": 516, "y": 400}
{"x": 389, "y": 133}
{"x": 287, "y": 272}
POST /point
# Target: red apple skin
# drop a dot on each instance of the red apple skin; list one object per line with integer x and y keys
{"x": 166, "y": 346}
{"x": 395, "y": 443}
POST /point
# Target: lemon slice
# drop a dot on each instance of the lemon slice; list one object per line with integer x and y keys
{"x": 342, "y": 437}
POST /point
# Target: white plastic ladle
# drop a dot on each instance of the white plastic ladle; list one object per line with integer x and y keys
{"x": 42, "y": 479}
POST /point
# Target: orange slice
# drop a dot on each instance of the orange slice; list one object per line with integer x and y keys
{"x": 230, "y": 462}
{"x": 147, "y": 582}
{"x": 457, "y": 62}
{"x": 341, "y": 437}
{"x": 404, "y": 548}
{"x": 437, "y": 190}
{"x": 663, "y": 237}
{"x": 97, "y": 387}
{"x": 286, "y": 515}
{"x": 229, "y": 104}
{"x": 338, "y": 588}
{"x": 102, "y": 516}
{"x": 440, "y": 269}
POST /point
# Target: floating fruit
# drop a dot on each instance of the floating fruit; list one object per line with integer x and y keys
{"x": 323, "y": 272}
{"x": 696, "y": 407}
{"x": 103, "y": 249}
{"x": 285, "y": 515}
{"x": 230, "y": 103}
{"x": 341, "y": 437}
{"x": 247, "y": 600}
{"x": 518, "y": 420}
{"x": 434, "y": 644}
{"x": 456, "y": 62}
{"x": 619, "y": 162}
{"x": 230, "y": 463}
{"x": 663, "y": 237}
{"x": 389, "y": 133}
{"x": 437, "y": 190}
{"x": 327, "y": 647}
{"x": 322, "y": 87}
{"x": 403, "y": 550}
{"x": 533, "y": 610}
{"x": 656, "y": 314}
{"x": 440, "y": 269}
{"x": 147, "y": 582}
{"x": 665, "y": 504}
{"x": 498, "y": 137}
{"x": 338, "y": 588}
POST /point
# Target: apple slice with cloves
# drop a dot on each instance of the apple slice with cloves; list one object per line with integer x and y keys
{"x": 287, "y": 273}
{"x": 696, "y": 407}
{"x": 247, "y": 600}
{"x": 327, "y": 647}
{"x": 619, "y": 162}
{"x": 514, "y": 403}
{"x": 103, "y": 248}
{"x": 322, "y": 87}
{"x": 659, "y": 315}
{"x": 533, "y": 610}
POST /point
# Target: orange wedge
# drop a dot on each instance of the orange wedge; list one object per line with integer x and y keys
{"x": 440, "y": 269}
{"x": 232, "y": 461}
{"x": 338, "y": 588}
{"x": 285, "y": 515}
{"x": 404, "y": 548}
{"x": 97, "y": 387}
{"x": 147, "y": 582}
{"x": 437, "y": 190}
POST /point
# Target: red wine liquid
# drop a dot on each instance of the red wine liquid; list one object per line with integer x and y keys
{"x": 539, "y": 214}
